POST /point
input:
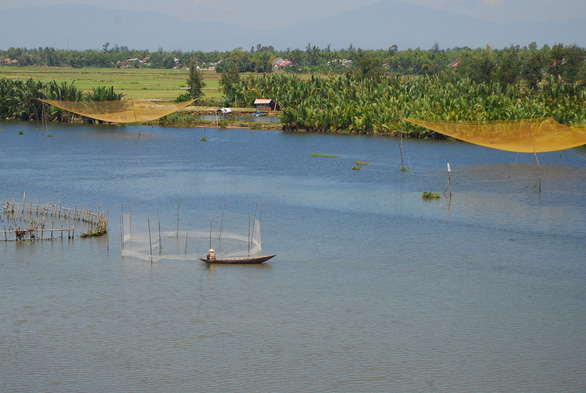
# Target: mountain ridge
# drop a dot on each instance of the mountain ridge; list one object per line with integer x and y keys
{"x": 376, "y": 26}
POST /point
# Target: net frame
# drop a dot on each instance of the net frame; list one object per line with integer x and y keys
{"x": 539, "y": 135}
{"x": 121, "y": 111}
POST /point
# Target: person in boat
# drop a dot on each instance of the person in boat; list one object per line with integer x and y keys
{"x": 211, "y": 255}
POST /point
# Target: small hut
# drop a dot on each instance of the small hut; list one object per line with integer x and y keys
{"x": 265, "y": 104}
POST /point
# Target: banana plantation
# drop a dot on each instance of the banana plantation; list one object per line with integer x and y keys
{"x": 19, "y": 99}
{"x": 377, "y": 105}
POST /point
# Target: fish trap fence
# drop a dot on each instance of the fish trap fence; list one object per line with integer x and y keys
{"x": 36, "y": 221}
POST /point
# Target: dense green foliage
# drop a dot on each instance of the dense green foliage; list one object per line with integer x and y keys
{"x": 195, "y": 81}
{"x": 508, "y": 64}
{"x": 377, "y": 105}
{"x": 19, "y": 99}
{"x": 353, "y": 90}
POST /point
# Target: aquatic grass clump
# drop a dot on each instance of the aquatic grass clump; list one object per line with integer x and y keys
{"x": 356, "y": 167}
{"x": 362, "y": 163}
{"x": 428, "y": 195}
{"x": 204, "y": 139}
{"x": 50, "y": 135}
{"x": 98, "y": 231}
{"x": 20, "y": 132}
{"x": 323, "y": 155}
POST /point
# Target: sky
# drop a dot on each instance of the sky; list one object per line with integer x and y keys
{"x": 257, "y": 15}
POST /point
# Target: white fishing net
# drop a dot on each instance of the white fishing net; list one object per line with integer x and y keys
{"x": 229, "y": 234}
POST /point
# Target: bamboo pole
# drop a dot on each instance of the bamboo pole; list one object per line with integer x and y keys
{"x": 178, "y": 205}
{"x": 150, "y": 243}
{"x": 222, "y": 222}
{"x": 160, "y": 243}
{"x": 129, "y": 221}
{"x": 449, "y": 181}
{"x": 121, "y": 234}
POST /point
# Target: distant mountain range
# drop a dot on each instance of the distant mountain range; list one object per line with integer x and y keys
{"x": 373, "y": 27}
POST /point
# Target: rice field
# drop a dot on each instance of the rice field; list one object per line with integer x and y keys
{"x": 141, "y": 83}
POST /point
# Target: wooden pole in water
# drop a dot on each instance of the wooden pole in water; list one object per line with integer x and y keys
{"x": 160, "y": 243}
{"x": 135, "y": 119}
{"x": 121, "y": 233}
{"x": 253, "y": 222}
{"x": 222, "y": 221}
{"x": 536, "y": 159}
{"x": 178, "y": 205}
{"x": 150, "y": 243}
{"x": 211, "y": 233}
{"x": 186, "y": 242}
{"x": 401, "y": 149}
{"x": 449, "y": 181}
{"x": 129, "y": 221}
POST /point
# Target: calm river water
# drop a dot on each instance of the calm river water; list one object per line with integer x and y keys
{"x": 373, "y": 289}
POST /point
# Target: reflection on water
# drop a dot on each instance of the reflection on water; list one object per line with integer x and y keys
{"x": 245, "y": 118}
{"x": 373, "y": 288}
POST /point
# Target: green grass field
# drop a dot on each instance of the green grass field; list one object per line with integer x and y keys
{"x": 143, "y": 83}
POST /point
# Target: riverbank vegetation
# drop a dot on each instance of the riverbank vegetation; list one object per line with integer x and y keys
{"x": 319, "y": 90}
{"x": 377, "y": 105}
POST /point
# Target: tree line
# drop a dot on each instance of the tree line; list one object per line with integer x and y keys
{"x": 19, "y": 99}
{"x": 507, "y": 65}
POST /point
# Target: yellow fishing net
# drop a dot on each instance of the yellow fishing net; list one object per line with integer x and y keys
{"x": 123, "y": 111}
{"x": 521, "y": 136}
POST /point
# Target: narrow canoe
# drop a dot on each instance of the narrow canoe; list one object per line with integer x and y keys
{"x": 238, "y": 260}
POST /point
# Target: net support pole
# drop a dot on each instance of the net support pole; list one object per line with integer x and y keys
{"x": 178, "y": 205}
{"x": 536, "y": 159}
{"x": 135, "y": 119}
{"x": 150, "y": 242}
{"x": 160, "y": 241}
{"x": 449, "y": 181}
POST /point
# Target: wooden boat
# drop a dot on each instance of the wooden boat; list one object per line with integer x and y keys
{"x": 238, "y": 260}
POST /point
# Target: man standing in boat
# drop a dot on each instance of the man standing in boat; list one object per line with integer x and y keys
{"x": 211, "y": 255}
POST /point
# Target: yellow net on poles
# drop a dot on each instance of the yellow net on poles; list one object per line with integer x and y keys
{"x": 123, "y": 111}
{"x": 521, "y": 136}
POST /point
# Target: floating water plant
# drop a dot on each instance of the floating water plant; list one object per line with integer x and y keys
{"x": 97, "y": 231}
{"x": 430, "y": 195}
{"x": 356, "y": 167}
{"x": 361, "y": 163}
{"x": 204, "y": 139}
{"x": 50, "y": 135}
{"x": 20, "y": 132}
{"x": 323, "y": 155}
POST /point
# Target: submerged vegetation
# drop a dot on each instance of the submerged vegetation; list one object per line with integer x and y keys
{"x": 427, "y": 195}
{"x": 323, "y": 155}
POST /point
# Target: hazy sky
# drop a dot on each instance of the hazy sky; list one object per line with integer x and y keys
{"x": 285, "y": 13}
